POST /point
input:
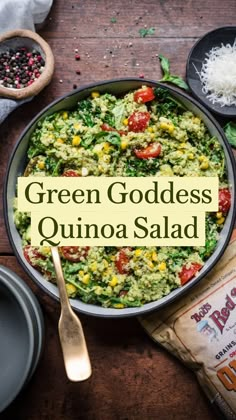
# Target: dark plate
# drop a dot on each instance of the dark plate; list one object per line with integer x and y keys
{"x": 224, "y": 35}
{"x": 17, "y": 342}
{"x": 22, "y": 335}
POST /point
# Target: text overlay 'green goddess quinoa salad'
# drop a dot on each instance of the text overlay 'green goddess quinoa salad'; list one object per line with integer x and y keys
{"x": 144, "y": 133}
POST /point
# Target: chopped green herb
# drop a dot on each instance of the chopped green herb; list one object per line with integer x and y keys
{"x": 146, "y": 31}
{"x": 113, "y": 20}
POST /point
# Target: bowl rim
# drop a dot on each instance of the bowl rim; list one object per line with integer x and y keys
{"x": 47, "y": 73}
{"x": 10, "y": 287}
{"x": 148, "y": 307}
{"x": 195, "y": 45}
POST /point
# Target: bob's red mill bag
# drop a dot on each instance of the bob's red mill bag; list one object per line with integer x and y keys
{"x": 200, "y": 329}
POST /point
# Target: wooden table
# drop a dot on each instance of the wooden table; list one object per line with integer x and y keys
{"x": 132, "y": 378}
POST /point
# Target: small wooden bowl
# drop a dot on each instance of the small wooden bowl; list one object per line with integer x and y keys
{"x": 31, "y": 40}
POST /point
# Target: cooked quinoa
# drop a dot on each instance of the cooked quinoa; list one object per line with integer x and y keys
{"x": 144, "y": 133}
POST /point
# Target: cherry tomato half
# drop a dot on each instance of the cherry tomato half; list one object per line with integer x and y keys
{"x": 138, "y": 121}
{"x": 74, "y": 253}
{"x": 224, "y": 200}
{"x": 122, "y": 261}
{"x": 187, "y": 274}
{"x": 151, "y": 151}
{"x": 144, "y": 95}
{"x": 70, "y": 172}
{"x": 32, "y": 255}
{"x": 107, "y": 127}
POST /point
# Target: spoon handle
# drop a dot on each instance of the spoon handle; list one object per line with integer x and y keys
{"x": 75, "y": 353}
{"x": 65, "y": 304}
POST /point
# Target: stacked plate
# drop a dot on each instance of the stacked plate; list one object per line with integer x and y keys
{"x": 21, "y": 335}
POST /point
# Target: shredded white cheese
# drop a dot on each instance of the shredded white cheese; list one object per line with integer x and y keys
{"x": 218, "y": 75}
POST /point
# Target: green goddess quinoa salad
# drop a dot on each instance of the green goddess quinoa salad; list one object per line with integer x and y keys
{"x": 144, "y": 133}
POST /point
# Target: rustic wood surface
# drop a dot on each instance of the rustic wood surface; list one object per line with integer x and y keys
{"x": 132, "y": 377}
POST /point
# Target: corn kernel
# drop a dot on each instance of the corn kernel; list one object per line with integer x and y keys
{"x": 182, "y": 145}
{"x": 93, "y": 266}
{"x": 191, "y": 156}
{"x": 202, "y": 158}
{"x": 152, "y": 135}
{"x": 51, "y": 136}
{"x": 124, "y": 144}
{"x": 150, "y": 129}
{"x": 106, "y": 146}
{"x": 65, "y": 115}
{"x": 204, "y": 165}
{"x": 95, "y": 95}
{"x": 113, "y": 258}
{"x": 126, "y": 121}
{"x": 113, "y": 281}
{"x": 81, "y": 272}
{"x": 71, "y": 289}
{"x": 76, "y": 140}
{"x": 86, "y": 279}
{"x": 118, "y": 305}
{"x": 220, "y": 221}
{"x": 196, "y": 120}
{"x": 41, "y": 165}
{"x": 154, "y": 256}
{"x": 162, "y": 266}
{"x": 76, "y": 126}
{"x": 218, "y": 214}
{"x": 46, "y": 250}
{"x": 61, "y": 141}
{"x": 167, "y": 126}
{"x": 137, "y": 252}
{"x": 150, "y": 264}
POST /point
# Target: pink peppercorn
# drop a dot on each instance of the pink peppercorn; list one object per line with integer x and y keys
{"x": 77, "y": 56}
{"x": 78, "y": 72}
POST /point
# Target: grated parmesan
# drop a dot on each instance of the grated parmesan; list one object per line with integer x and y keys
{"x": 218, "y": 75}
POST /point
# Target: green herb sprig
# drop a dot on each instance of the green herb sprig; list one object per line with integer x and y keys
{"x": 230, "y": 132}
{"x": 168, "y": 77}
{"x": 146, "y": 31}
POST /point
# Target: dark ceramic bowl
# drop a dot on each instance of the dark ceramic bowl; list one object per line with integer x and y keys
{"x": 18, "y": 162}
{"x": 224, "y": 35}
{"x": 21, "y": 332}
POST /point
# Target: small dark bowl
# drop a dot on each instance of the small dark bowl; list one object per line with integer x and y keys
{"x": 224, "y": 35}
{"x": 18, "y": 162}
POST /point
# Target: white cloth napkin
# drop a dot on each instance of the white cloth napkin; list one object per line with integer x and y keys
{"x": 20, "y": 14}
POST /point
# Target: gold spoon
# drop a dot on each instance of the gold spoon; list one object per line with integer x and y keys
{"x": 75, "y": 353}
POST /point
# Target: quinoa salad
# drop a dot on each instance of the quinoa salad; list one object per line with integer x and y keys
{"x": 144, "y": 133}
